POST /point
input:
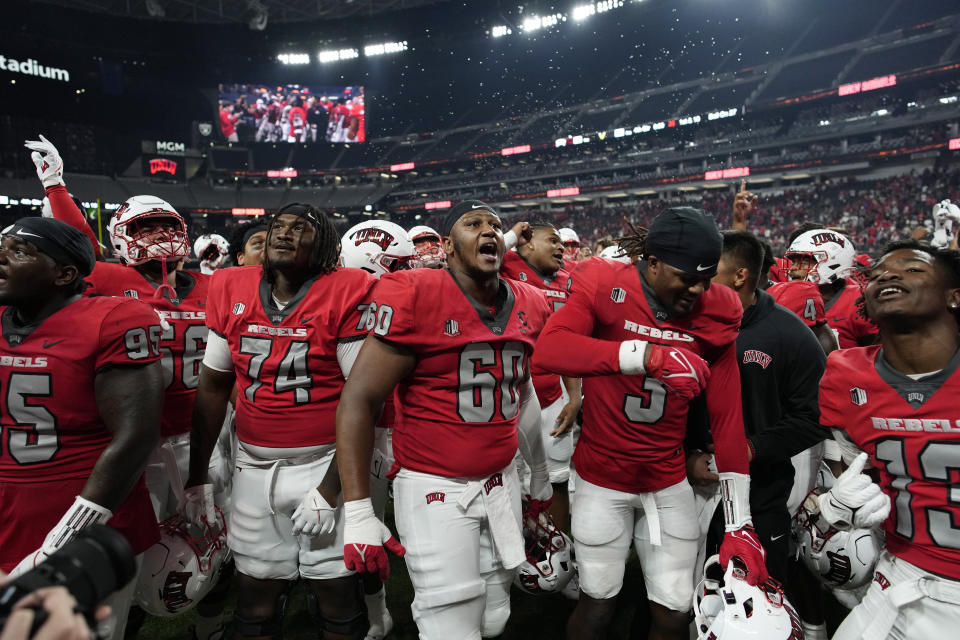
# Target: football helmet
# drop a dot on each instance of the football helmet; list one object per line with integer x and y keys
{"x": 548, "y": 567}
{"x": 136, "y": 246}
{"x": 427, "y": 243}
{"x": 181, "y": 569}
{"x": 840, "y": 559}
{"x": 377, "y": 246}
{"x": 830, "y": 255}
{"x": 571, "y": 244}
{"x": 211, "y": 250}
{"x": 613, "y": 252}
{"x": 726, "y": 607}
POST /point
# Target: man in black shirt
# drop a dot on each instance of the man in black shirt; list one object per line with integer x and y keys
{"x": 781, "y": 363}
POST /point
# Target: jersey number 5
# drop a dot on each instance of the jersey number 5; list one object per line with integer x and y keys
{"x": 35, "y": 438}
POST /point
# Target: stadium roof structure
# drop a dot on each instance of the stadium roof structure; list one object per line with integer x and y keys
{"x": 234, "y": 11}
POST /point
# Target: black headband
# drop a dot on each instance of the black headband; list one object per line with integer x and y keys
{"x": 252, "y": 230}
{"x": 63, "y": 243}
{"x": 463, "y": 208}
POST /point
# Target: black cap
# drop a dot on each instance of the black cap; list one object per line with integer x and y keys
{"x": 686, "y": 238}
{"x": 458, "y": 211}
{"x": 57, "y": 239}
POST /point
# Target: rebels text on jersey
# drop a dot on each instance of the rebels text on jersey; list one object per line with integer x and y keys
{"x": 633, "y": 426}
{"x": 183, "y": 336}
{"x": 461, "y": 401}
{"x": 846, "y": 318}
{"x": 288, "y": 376}
{"x": 803, "y": 298}
{"x": 546, "y": 384}
{"x": 51, "y": 428}
{"x": 911, "y": 430}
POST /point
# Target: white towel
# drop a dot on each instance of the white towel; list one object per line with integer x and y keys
{"x": 505, "y": 529}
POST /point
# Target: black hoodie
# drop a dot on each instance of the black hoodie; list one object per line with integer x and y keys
{"x": 781, "y": 363}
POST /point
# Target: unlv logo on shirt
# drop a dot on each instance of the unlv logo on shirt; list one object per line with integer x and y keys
{"x": 378, "y": 237}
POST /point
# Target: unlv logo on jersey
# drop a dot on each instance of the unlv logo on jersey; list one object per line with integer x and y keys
{"x": 378, "y": 237}
{"x": 825, "y": 237}
{"x": 435, "y": 496}
{"x": 858, "y": 396}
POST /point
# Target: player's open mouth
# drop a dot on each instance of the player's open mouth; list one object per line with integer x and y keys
{"x": 488, "y": 250}
{"x": 889, "y": 292}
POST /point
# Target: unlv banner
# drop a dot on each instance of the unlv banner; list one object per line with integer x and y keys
{"x": 164, "y": 169}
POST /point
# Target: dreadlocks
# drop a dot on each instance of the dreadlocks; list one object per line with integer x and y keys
{"x": 635, "y": 244}
{"x": 326, "y": 243}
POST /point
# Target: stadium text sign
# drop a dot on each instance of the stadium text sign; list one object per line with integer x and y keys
{"x": 721, "y": 174}
{"x": 173, "y": 148}
{"x": 867, "y": 85}
{"x": 31, "y": 67}
{"x": 440, "y": 204}
{"x": 566, "y": 191}
{"x": 282, "y": 173}
{"x": 510, "y": 151}
{"x": 238, "y": 211}
{"x": 954, "y": 144}
{"x": 162, "y": 165}
{"x": 404, "y": 166}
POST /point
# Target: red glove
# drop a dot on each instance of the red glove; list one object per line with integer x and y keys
{"x": 745, "y": 545}
{"x": 682, "y": 371}
{"x": 364, "y": 539}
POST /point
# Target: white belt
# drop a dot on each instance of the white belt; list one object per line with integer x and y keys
{"x": 246, "y": 460}
{"x": 649, "y": 504}
{"x": 506, "y": 534}
{"x": 902, "y": 594}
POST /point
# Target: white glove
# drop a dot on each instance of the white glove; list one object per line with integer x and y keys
{"x": 540, "y": 487}
{"x": 314, "y": 516}
{"x": 47, "y": 160}
{"x": 81, "y": 514}
{"x": 855, "y": 501}
{"x": 198, "y": 505}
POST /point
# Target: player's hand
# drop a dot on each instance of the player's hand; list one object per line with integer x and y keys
{"x": 364, "y": 540}
{"x": 699, "y": 470}
{"x": 745, "y": 545}
{"x": 314, "y": 516}
{"x": 743, "y": 205}
{"x": 523, "y": 232}
{"x": 47, "y": 160}
{"x": 567, "y": 418}
{"x": 855, "y": 501}
{"x": 682, "y": 371}
{"x": 63, "y": 622}
{"x": 198, "y": 506}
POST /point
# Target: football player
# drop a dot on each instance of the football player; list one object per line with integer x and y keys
{"x": 896, "y": 403}
{"x": 571, "y": 246}
{"x": 150, "y": 238}
{"x": 82, "y": 403}
{"x": 246, "y": 243}
{"x": 826, "y": 258}
{"x": 538, "y": 261}
{"x": 286, "y": 333}
{"x": 428, "y": 246}
{"x": 457, "y": 341}
{"x": 646, "y": 338}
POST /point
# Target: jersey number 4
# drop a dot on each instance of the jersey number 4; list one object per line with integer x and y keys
{"x": 291, "y": 375}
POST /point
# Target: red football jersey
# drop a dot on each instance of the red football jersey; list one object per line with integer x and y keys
{"x": 847, "y": 319}
{"x": 460, "y": 403}
{"x": 547, "y": 384}
{"x": 911, "y": 429}
{"x": 288, "y": 377}
{"x": 803, "y": 298}
{"x": 50, "y": 426}
{"x": 184, "y": 337}
{"x": 633, "y": 427}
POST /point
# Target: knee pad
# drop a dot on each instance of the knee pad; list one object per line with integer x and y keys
{"x": 495, "y": 619}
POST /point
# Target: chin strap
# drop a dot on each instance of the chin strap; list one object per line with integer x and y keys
{"x": 165, "y": 285}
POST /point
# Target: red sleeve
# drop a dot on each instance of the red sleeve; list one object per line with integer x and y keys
{"x": 215, "y": 316}
{"x": 565, "y": 346}
{"x": 129, "y": 335}
{"x": 353, "y": 318}
{"x": 65, "y": 210}
{"x": 391, "y": 314}
{"x": 830, "y": 412}
{"x": 726, "y": 413}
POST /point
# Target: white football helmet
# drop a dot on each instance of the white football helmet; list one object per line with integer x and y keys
{"x": 831, "y": 254}
{"x": 946, "y": 218}
{"x": 211, "y": 250}
{"x": 571, "y": 243}
{"x": 377, "y": 246}
{"x": 548, "y": 567}
{"x": 615, "y": 253}
{"x": 181, "y": 569}
{"x": 135, "y": 246}
{"x": 727, "y": 607}
{"x": 840, "y": 559}
{"x": 427, "y": 243}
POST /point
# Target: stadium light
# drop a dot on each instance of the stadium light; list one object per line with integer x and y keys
{"x": 383, "y": 48}
{"x": 332, "y": 55}
{"x": 500, "y": 30}
{"x": 294, "y": 58}
{"x": 582, "y": 12}
{"x": 535, "y": 23}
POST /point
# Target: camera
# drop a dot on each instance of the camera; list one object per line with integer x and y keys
{"x": 93, "y": 565}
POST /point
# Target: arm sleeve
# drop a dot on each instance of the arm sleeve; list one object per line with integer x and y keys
{"x": 65, "y": 210}
{"x": 565, "y": 346}
{"x": 129, "y": 335}
{"x": 726, "y": 413}
{"x": 848, "y": 449}
{"x": 394, "y": 299}
{"x": 217, "y": 354}
{"x": 528, "y": 428}
{"x": 347, "y": 353}
{"x": 799, "y": 425}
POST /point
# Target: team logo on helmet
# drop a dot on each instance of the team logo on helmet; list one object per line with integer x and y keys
{"x": 378, "y": 237}
{"x": 205, "y": 128}
{"x": 825, "y": 237}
